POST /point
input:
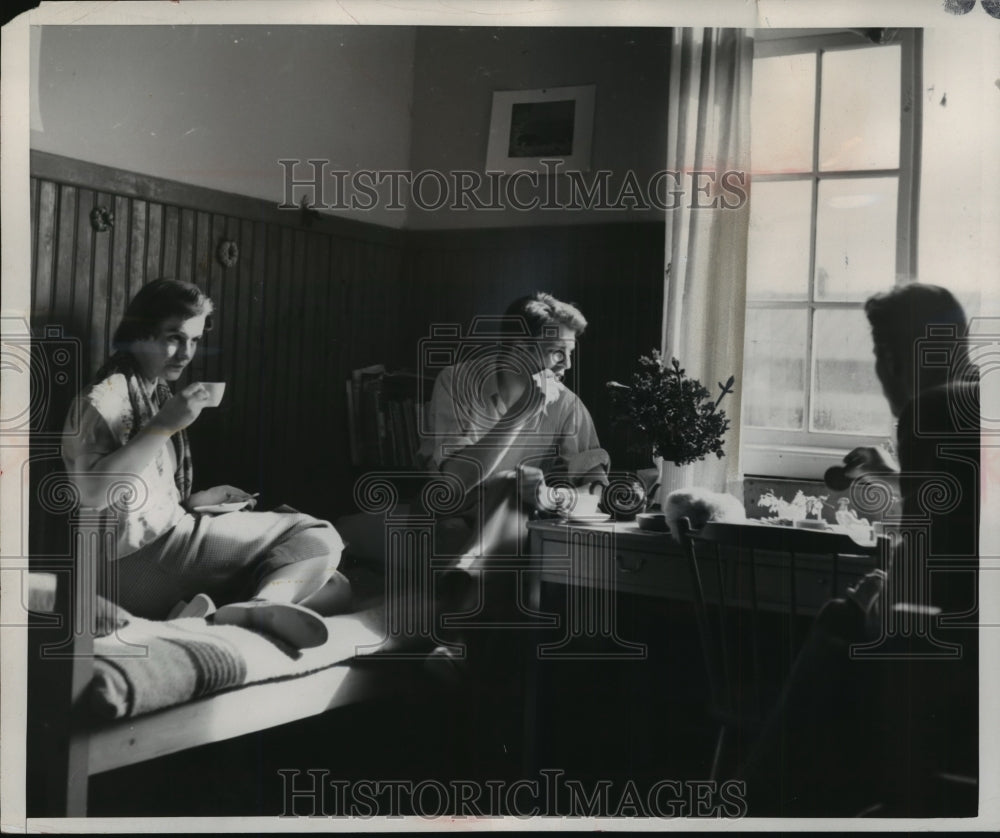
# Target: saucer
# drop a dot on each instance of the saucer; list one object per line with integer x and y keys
{"x": 219, "y": 508}
{"x": 598, "y": 518}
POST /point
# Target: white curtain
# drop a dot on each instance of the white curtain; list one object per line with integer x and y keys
{"x": 705, "y": 292}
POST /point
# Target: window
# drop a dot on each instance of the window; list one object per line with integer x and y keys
{"x": 832, "y": 220}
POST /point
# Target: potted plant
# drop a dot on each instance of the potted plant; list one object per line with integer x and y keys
{"x": 675, "y": 415}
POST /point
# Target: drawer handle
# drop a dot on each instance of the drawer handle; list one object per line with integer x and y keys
{"x": 624, "y": 568}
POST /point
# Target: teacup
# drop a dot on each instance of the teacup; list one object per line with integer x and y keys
{"x": 215, "y": 390}
{"x": 586, "y": 503}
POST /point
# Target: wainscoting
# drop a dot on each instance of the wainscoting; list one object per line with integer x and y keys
{"x": 309, "y": 300}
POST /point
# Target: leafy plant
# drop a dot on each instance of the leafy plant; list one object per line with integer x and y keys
{"x": 673, "y": 413}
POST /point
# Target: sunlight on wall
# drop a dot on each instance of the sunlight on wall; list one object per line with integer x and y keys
{"x": 959, "y": 202}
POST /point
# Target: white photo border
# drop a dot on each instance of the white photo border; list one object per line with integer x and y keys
{"x": 16, "y": 264}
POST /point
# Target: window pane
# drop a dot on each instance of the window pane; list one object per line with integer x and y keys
{"x": 774, "y": 368}
{"x": 782, "y": 111}
{"x": 859, "y": 109}
{"x": 855, "y": 237}
{"x": 778, "y": 252}
{"x": 847, "y": 397}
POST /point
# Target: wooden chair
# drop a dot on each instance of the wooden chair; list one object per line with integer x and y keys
{"x": 756, "y": 588}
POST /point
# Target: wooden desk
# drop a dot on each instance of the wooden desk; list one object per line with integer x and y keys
{"x": 619, "y": 557}
{"x": 594, "y": 563}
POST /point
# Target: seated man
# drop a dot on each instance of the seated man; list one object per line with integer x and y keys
{"x": 854, "y": 731}
{"x": 512, "y": 433}
{"x": 937, "y": 411}
{"x": 132, "y": 433}
{"x": 505, "y": 428}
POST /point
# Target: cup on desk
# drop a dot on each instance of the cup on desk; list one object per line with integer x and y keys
{"x": 215, "y": 390}
{"x": 586, "y": 503}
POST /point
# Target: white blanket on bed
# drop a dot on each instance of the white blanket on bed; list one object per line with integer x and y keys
{"x": 147, "y": 665}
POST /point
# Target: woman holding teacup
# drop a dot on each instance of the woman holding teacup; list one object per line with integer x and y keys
{"x": 275, "y": 572}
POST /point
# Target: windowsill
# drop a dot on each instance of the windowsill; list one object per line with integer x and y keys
{"x": 790, "y": 461}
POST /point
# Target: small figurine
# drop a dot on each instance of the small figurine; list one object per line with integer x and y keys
{"x": 848, "y": 519}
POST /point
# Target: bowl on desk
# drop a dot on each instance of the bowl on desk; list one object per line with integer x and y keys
{"x": 652, "y": 521}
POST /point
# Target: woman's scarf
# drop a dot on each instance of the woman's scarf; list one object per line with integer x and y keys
{"x": 145, "y": 408}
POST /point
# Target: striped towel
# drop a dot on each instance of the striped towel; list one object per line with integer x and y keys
{"x": 147, "y": 665}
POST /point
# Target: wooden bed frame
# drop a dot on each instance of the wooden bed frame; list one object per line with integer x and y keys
{"x": 65, "y": 746}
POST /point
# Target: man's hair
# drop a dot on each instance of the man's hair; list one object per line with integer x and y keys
{"x": 157, "y": 301}
{"x": 539, "y": 310}
{"x": 900, "y": 317}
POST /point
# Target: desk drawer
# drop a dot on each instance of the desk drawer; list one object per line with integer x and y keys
{"x": 598, "y": 560}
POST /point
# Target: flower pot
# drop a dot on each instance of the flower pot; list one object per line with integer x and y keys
{"x": 672, "y": 476}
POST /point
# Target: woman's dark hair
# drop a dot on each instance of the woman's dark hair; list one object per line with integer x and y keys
{"x": 157, "y": 301}
{"x": 900, "y": 318}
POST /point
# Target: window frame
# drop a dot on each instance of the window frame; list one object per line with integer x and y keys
{"x": 771, "y": 452}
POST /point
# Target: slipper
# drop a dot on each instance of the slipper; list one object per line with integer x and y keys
{"x": 296, "y": 625}
{"x": 175, "y": 612}
{"x": 201, "y": 605}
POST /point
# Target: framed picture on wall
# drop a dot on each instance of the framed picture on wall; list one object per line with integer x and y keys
{"x": 551, "y": 123}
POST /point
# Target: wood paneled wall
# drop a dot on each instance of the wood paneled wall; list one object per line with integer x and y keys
{"x": 307, "y": 303}
{"x": 300, "y": 309}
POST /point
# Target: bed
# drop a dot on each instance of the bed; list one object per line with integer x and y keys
{"x": 108, "y": 689}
